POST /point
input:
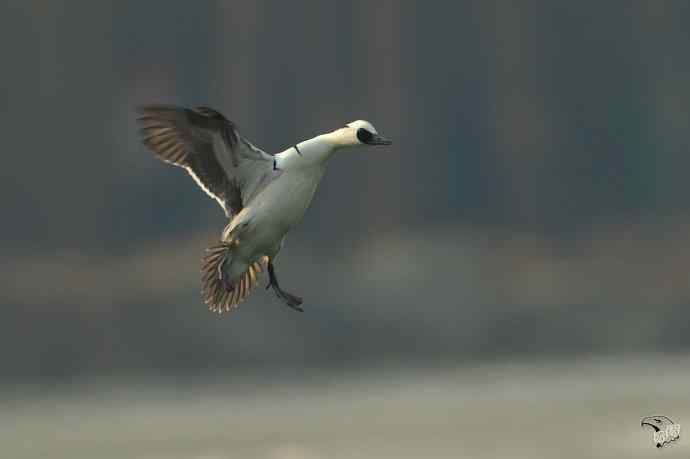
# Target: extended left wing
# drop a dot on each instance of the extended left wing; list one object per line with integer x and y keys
{"x": 224, "y": 164}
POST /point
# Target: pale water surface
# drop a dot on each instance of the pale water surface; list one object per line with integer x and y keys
{"x": 559, "y": 409}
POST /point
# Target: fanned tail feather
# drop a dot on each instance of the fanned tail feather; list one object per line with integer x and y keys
{"x": 216, "y": 295}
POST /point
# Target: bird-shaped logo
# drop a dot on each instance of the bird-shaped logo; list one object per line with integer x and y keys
{"x": 665, "y": 431}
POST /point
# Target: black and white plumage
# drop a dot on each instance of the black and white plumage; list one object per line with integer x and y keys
{"x": 202, "y": 141}
{"x": 263, "y": 195}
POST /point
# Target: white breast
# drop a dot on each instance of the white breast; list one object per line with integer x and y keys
{"x": 285, "y": 201}
{"x": 282, "y": 204}
{"x": 277, "y": 209}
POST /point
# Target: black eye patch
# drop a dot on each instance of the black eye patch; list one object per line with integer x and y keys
{"x": 363, "y": 135}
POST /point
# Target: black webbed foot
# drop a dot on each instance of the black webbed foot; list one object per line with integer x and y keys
{"x": 292, "y": 301}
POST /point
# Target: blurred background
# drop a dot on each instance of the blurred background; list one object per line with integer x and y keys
{"x": 509, "y": 279}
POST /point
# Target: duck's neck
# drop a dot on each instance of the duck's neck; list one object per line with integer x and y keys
{"x": 306, "y": 154}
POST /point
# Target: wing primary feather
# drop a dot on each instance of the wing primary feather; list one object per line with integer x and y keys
{"x": 225, "y": 165}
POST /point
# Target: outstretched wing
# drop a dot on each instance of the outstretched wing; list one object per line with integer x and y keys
{"x": 224, "y": 164}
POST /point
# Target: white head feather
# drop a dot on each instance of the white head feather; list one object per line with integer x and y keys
{"x": 353, "y": 134}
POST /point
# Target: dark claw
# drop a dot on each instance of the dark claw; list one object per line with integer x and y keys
{"x": 290, "y": 300}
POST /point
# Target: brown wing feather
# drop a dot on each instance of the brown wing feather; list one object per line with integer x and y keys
{"x": 208, "y": 146}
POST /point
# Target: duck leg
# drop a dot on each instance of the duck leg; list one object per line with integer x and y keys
{"x": 289, "y": 299}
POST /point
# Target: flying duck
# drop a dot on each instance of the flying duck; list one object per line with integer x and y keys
{"x": 263, "y": 195}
